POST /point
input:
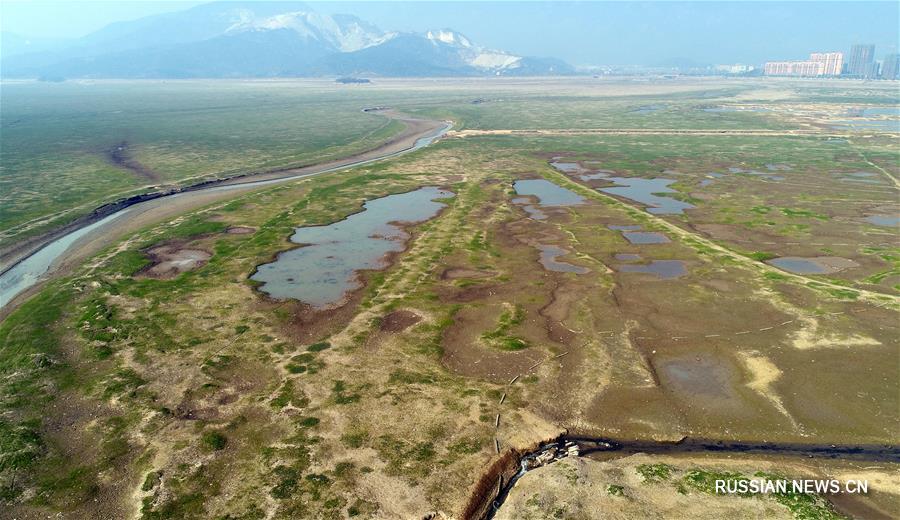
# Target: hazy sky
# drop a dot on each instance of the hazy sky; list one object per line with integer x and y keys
{"x": 582, "y": 33}
{"x": 73, "y": 18}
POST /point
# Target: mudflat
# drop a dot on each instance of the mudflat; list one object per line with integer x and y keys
{"x": 504, "y": 321}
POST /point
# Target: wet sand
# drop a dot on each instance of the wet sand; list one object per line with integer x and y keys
{"x": 170, "y": 260}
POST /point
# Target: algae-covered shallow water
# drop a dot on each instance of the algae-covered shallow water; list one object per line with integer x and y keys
{"x": 324, "y": 268}
{"x": 549, "y": 194}
{"x": 646, "y": 192}
{"x": 884, "y": 220}
{"x": 596, "y": 175}
{"x": 566, "y": 167}
{"x": 799, "y": 265}
{"x": 549, "y": 259}
{"x": 645, "y": 237}
{"x": 813, "y": 265}
{"x": 532, "y": 210}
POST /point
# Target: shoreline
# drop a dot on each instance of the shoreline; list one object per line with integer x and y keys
{"x": 414, "y": 129}
{"x": 155, "y": 208}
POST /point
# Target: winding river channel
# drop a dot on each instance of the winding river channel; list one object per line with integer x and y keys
{"x": 43, "y": 263}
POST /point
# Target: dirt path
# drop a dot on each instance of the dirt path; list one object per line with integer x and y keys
{"x": 647, "y": 131}
{"x": 884, "y": 172}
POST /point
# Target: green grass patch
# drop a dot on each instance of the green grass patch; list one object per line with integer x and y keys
{"x": 409, "y": 377}
{"x": 615, "y": 490}
{"x": 654, "y": 473}
{"x": 341, "y": 395}
{"x": 762, "y": 256}
{"x": 499, "y": 337}
{"x": 213, "y": 440}
{"x": 319, "y": 347}
{"x": 805, "y": 213}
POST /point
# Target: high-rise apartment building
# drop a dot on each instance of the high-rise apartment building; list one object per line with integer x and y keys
{"x": 832, "y": 62}
{"x": 861, "y": 62}
{"x": 890, "y": 69}
{"x": 818, "y": 64}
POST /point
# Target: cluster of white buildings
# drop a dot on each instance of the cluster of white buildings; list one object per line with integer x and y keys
{"x": 734, "y": 69}
{"x": 818, "y": 64}
{"x": 860, "y": 63}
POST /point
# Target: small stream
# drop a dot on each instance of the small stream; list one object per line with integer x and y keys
{"x": 577, "y": 446}
{"x": 37, "y": 266}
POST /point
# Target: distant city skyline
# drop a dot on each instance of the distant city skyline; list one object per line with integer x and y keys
{"x": 891, "y": 67}
{"x": 582, "y": 33}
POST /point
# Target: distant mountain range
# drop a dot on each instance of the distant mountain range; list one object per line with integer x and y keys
{"x": 260, "y": 39}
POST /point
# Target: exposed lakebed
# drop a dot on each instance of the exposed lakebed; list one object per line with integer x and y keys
{"x": 325, "y": 267}
{"x": 768, "y": 175}
{"x": 170, "y": 260}
{"x": 664, "y": 269}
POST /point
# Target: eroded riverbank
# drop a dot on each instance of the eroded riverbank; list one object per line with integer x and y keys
{"x": 514, "y": 465}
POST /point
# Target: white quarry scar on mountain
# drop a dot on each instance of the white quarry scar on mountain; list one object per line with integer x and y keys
{"x": 449, "y": 37}
{"x": 348, "y": 37}
{"x": 495, "y": 60}
{"x": 474, "y": 55}
{"x": 353, "y": 36}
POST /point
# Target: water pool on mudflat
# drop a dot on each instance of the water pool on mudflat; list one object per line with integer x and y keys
{"x": 646, "y": 192}
{"x": 324, "y": 268}
{"x": 884, "y": 220}
{"x": 549, "y": 194}
{"x": 813, "y": 265}
{"x": 549, "y": 255}
{"x": 645, "y": 237}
